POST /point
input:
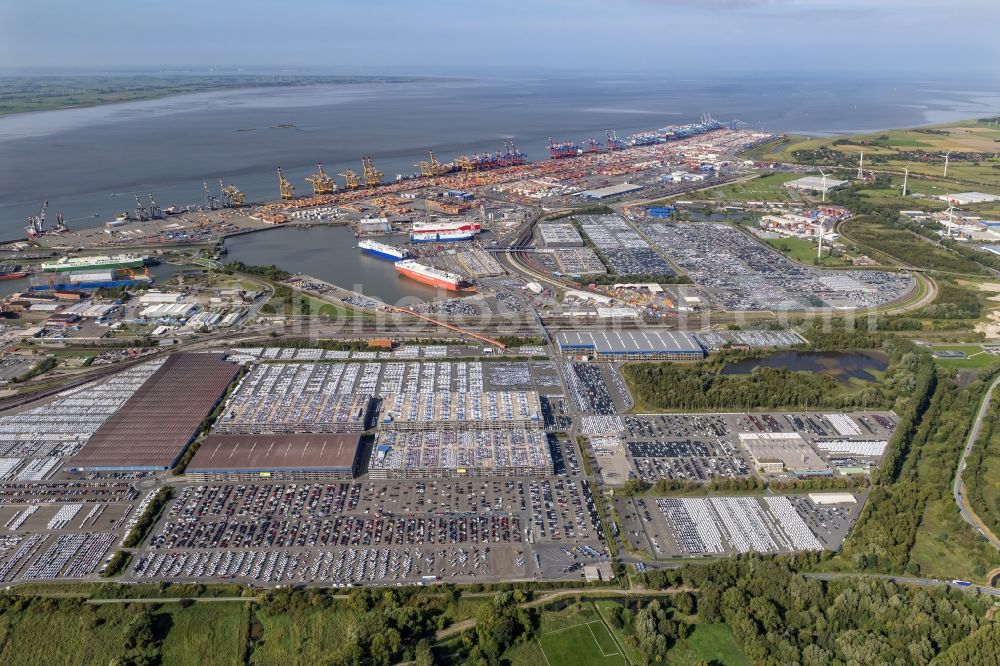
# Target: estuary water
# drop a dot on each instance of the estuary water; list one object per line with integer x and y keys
{"x": 89, "y": 163}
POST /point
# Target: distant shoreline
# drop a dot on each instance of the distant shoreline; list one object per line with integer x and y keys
{"x": 22, "y": 95}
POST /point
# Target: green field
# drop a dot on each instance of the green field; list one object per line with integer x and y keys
{"x": 632, "y": 655}
{"x": 301, "y": 636}
{"x": 975, "y": 357}
{"x": 769, "y": 187}
{"x": 51, "y": 633}
{"x": 906, "y": 247}
{"x": 207, "y": 634}
{"x": 584, "y": 644}
{"x": 711, "y": 643}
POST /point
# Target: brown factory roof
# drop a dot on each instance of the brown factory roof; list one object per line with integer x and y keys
{"x": 276, "y": 452}
{"x": 152, "y": 428}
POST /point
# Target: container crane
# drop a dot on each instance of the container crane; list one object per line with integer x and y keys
{"x": 593, "y": 146}
{"x": 430, "y": 168}
{"x": 466, "y": 163}
{"x": 562, "y": 150}
{"x": 60, "y": 224}
{"x": 36, "y": 224}
{"x": 614, "y": 143}
{"x": 141, "y": 213}
{"x": 513, "y": 156}
{"x": 211, "y": 201}
{"x": 287, "y": 189}
{"x": 321, "y": 183}
{"x": 352, "y": 182}
{"x": 155, "y": 212}
{"x": 232, "y": 196}
{"x": 373, "y": 177}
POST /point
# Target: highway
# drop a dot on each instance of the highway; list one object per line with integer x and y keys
{"x": 959, "y": 487}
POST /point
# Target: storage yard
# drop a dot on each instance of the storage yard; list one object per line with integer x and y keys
{"x": 626, "y": 252}
{"x": 702, "y": 447}
{"x": 699, "y": 527}
{"x": 742, "y": 274}
{"x": 377, "y": 532}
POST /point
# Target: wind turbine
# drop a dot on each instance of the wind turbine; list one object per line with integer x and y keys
{"x": 945, "y": 174}
{"x": 861, "y": 167}
{"x": 824, "y": 184}
{"x": 906, "y": 174}
{"x": 951, "y": 218}
{"x": 819, "y": 232}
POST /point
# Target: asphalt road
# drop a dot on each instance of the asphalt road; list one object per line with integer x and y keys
{"x": 968, "y": 515}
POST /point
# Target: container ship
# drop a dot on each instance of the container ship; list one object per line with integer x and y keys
{"x": 383, "y": 250}
{"x": 443, "y": 232}
{"x": 8, "y": 272}
{"x": 67, "y": 264}
{"x": 432, "y": 276}
{"x": 100, "y": 279}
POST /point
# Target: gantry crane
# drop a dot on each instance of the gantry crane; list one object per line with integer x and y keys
{"x": 211, "y": 201}
{"x": 155, "y": 212}
{"x": 351, "y": 179}
{"x": 373, "y": 177}
{"x": 287, "y": 189}
{"x": 431, "y": 168}
{"x": 322, "y": 183}
{"x": 466, "y": 163}
{"x": 141, "y": 213}
{"x": 232, "y": 196}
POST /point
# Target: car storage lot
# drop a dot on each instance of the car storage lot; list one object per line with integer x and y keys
{"x": 63, "y": 530}
{"x": 702, "y": 447}
{"x": 376, "y": 532}
{"x": 673, "y": 527}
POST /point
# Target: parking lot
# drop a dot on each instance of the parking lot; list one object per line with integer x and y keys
{"x": 698, "y": 526}
{"x": 626, "y": 251}
{"x": 595, "y": 388}
{"x": 742, "y": 274}
{"x": 702, "y": 447}
{"x": 63, "y": 530}
{"x": 356, "y": 532}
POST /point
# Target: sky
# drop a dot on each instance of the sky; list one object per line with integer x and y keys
{"x": 703, "y": 37}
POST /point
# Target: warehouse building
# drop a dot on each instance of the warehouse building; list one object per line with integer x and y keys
{"x": 559, "y": 234}
{"x": 779, "y": 452}
{"x": 295, "y": 457}
{"x": 152, "y": 428}
{"x": 632, "y": 345}
{"x": 460, "y": 453}
{"x": 489, "y": 410}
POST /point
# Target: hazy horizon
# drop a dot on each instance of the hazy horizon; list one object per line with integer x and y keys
{"x": 446, "y": 37}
